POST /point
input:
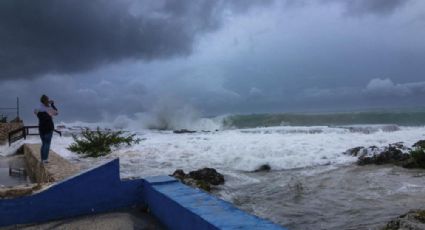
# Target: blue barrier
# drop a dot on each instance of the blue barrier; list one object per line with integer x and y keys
{"x": 178, "y": 206}
{"x": 97, "y": 190}
{"x": 93, "y": 191}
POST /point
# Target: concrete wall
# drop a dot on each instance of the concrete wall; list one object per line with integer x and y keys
{"x": 97, "y": 190}
{"x": 57, "y": 169}
{"x": 36, "y": 171}
{"x": 93, "y": 191}
{"x": 178, "y": 206}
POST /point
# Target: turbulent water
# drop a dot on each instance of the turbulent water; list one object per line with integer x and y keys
{"x": 407, "y": 118}
{"x": 312, "y": 184}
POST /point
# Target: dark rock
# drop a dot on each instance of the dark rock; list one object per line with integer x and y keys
{"x": 183, "y": 131}
{"x": 263, "y": 168}
{"x": 392, "y": 154}
{"x": 354, "y": 151}
{"x": 179, "y": 174}
{"x": 395, "y": 153}
{"x": 203, "y": 178}
{"x": 413, "y": 220}
{"x": 208, "y": 175}
{"x": 420, "y": 144}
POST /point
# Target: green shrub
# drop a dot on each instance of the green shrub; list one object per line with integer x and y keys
{"x": 99, "y": 143}
{"x": 418, "y": 154}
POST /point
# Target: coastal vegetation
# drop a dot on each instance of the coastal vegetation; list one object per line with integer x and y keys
{"x": 100, "y": 142}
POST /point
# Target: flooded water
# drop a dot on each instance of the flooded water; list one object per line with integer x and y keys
{"x": 12, "y": 171}
{"x": 349, "y": 197}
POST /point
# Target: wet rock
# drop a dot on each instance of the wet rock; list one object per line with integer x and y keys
{"x": 197, "y": 184}
{"x": 179, "y": 174}
{"x": 263, "y": 168}
{"x": 204, "y": 178}
{"x": 183, "y": 131}
{"x": 208, "y": 175}
{"x": 354, "y": 151}
{"x": 395, "y": 153}
{"x": 413, "y": 220}
{"x": 420, "y": 144}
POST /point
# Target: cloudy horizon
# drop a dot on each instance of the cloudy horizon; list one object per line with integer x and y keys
{"x": 102, "y": 59}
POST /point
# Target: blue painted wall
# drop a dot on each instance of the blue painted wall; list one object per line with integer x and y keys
{"x": 177, "y": 206}
{"x": 181, "y": 207}
{"x": 93, "y": 191}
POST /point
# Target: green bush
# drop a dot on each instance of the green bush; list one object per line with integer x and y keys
{"x": 99, "y": 143}
{"x": 418, "y": 155}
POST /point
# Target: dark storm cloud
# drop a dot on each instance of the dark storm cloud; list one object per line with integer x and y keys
{"x": 49, "y": 36}
{"x": 364, "y": 7}
{"x": 356, "y": 7}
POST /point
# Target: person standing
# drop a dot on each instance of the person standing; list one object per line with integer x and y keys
{"x": 45, "y": 114}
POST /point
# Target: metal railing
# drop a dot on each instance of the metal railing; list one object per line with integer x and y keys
{"x": 23, "y": 132}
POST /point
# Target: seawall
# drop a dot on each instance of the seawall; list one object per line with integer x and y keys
{"x": 101, "y": 189}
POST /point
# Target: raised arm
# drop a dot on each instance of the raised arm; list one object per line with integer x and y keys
{"x": 54, "y": 110}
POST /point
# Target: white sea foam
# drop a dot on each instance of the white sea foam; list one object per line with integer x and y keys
{"x": 161, "y": 152}
{"x": 240, "y": 150}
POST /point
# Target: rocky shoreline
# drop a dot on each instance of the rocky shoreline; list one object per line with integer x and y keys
{"x": 412, "y": 220}
{"x": 397, "y": 154}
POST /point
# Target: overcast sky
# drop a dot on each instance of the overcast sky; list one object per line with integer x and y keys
{"x": 103, "y": 58}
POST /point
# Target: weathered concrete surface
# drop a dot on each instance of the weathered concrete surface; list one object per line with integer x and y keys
{"x": 5, "y": 128}
{"x": 112, "y": 221}
{"x": 14, "y": 186}
{"x": 20, "y": 190}
{"x": 57, "y": 169}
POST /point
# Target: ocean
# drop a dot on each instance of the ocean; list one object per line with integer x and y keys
{"x": 312, "y": 183}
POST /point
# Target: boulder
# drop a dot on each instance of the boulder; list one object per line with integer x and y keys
{"x": 208, "y": 175}
{"x": 413, "y": 220}
{"x": 263, "y": 168}
{"x": 204, "y": 178}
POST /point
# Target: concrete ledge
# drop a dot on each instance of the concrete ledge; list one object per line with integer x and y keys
{"x": 178, "y": 206}
{"x": 56, "y": 170}
{"x": 100, "y": 189}
{"x": 93, "y": 191}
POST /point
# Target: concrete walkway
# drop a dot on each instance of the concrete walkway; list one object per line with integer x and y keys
{"x": 107, "y": 221}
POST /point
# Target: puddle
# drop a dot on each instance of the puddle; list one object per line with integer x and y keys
{"x": 13, "y": 171}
